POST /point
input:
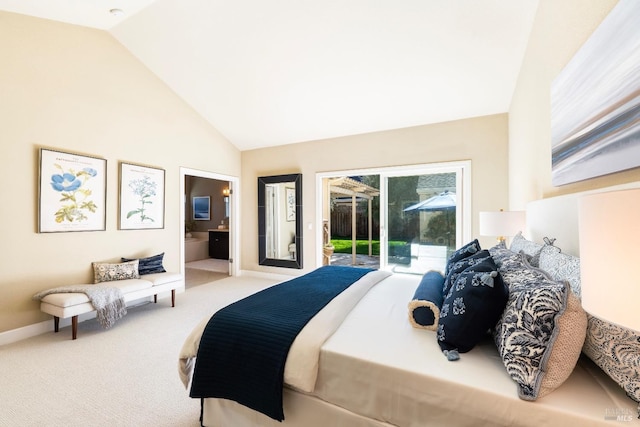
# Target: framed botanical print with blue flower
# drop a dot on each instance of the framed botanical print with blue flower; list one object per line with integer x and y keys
{"x": 72, "y": 192}
{"x": 141, "y": 197}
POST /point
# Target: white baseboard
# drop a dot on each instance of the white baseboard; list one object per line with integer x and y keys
{"x": 18, "y": 334}
{"x": 36, "y": 329}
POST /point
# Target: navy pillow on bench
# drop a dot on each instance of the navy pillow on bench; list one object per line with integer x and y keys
{"x": 149, "y": 265}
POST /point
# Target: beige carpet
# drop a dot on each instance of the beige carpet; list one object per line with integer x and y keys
{"x": 205, "y": 271}
{"x": 124, "y": 376}
{"x": 209, "y": 264}
{"x": 194, "y": 277}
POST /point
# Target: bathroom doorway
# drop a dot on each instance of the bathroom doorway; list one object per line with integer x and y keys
{"x": 209, "y": 218}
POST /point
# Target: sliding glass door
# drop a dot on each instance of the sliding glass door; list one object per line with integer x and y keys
{"x": 423, "y": 218}
{"x": 404, "y": 219}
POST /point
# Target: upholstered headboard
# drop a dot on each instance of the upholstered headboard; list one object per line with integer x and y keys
{"x": 557, "y": 217}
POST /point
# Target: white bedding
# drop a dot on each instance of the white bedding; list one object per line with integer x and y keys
{"x": 376, "y": 370}
{"x": 378, "y": 366}
{"x": 301, "y": 367}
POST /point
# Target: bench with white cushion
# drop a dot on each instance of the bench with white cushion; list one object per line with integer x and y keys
{"x": 65, "y": 305}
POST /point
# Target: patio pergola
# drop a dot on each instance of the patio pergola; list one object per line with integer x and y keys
{"x": 345, "y": 186}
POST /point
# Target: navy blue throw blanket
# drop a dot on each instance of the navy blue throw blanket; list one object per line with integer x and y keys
{"x": 244, "y": 346}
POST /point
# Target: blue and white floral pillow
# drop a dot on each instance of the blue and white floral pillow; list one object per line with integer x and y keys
{"x": 541, "y": 331}
{"x": 561, "y": 267}
{"x": 500, "y": 252}
{"x": 616, "y": 350}
{"x": 528, "y": 247}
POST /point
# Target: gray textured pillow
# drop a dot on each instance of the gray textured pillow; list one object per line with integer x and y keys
{"x": 616, "y": 350}
{"x": 561, "y": 267}
{"x": 531, "y": 249}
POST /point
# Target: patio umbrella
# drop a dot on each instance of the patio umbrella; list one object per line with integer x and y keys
{"x": 445, "y": 202}
{"x": 441, "y": 202}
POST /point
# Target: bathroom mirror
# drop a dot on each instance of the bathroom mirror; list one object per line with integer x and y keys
{"x": 280, "y": 220}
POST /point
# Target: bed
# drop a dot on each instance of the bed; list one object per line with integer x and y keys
{"x": 378, "y": 370}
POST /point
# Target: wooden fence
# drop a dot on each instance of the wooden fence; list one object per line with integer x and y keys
{"x": 341, "y": 225}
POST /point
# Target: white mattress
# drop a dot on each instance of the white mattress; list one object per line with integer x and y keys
{"x": 379, "y": 366}
{"x": 376, "y": 367}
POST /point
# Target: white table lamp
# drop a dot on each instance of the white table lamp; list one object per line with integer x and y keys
{"x": 609, "y": 256}
{"x": 502, "y": 224}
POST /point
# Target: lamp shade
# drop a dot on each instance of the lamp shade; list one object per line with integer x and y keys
{"x": 609, "y": 249}
{"x": 501, "y": 223}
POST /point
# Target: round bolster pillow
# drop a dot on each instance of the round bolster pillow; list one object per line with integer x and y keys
{"x": 424, "y": 308}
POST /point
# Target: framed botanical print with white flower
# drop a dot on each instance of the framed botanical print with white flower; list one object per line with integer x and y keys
{"x": 141, "y": 197}
{"x": 71, "y": 193}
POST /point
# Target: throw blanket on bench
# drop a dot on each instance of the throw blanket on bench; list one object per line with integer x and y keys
{"x": 244, "y": 347}
{"x": 107, "y": 300}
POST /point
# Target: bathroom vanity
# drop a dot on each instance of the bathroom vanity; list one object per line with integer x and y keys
{"x": 219, "y": 244}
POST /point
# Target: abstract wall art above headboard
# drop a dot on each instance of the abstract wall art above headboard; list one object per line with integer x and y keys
{"x": 595, "y": 106}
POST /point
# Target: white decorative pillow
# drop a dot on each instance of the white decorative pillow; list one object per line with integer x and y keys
{"x": 541, "y": 331}
{"x": 561, "y": 267}
{"x": 107, "y": 272}
{"x": 531, "y": 249}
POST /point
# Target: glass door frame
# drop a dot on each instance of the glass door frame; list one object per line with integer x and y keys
{"x": 462, "y": 169}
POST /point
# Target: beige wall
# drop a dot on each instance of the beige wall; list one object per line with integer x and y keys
{"x": 75, "y": 89}
{"x": 483, "y": 140}
{"x": 560, "y": 29}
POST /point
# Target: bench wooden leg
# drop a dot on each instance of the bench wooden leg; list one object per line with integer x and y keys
{"x": 74, "y": 327}
{"x": 56, "y": 323}
{"x": 173, "y": 298}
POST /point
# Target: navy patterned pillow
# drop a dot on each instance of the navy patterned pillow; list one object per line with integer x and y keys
{"x": 472, "y": 307}
{"x": 149, "y": 265}
{"x": 467, "y": 250}
{"x": 455, "y": 268}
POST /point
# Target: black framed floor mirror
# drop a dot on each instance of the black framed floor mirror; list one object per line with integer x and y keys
{"x": 280, "y": 220}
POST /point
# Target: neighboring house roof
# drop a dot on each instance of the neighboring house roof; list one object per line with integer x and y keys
{"x": 433, "y": 184}
{"x": 437, "y": 180}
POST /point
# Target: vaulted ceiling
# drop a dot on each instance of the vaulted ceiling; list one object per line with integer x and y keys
{"x": 272, "y": 72}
